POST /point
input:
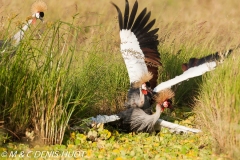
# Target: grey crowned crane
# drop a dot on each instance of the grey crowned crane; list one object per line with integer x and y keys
{"x": 139, "y": 51}
{"x": 138, "y": 120}
{"x": 37, "y": 10}
{"x": 142, "y": 59}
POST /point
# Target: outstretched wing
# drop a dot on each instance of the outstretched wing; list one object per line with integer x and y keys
{"x": 190, "y": 73}
{"x": 195, "y": 67}
{"x": 139, "y": 43}
{"x": 218, "y": 56}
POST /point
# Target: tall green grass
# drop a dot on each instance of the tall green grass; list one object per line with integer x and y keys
{"x": 217, "y": 108}
{"x": 52, "y": 79}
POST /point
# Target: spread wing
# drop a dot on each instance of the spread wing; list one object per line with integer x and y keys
{"x": 190, "y": 73}
{"x": 195, "y": 67}
{"x": 138, "y": 43}
{"x": 218, "y": 56}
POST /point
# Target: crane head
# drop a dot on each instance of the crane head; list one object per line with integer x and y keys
{"x": 38, "y": 9}
{"x": 39, "y": 15}
{"x": 138, "y": 92}
{"x": 143, "y": 83}
{"x": 167, "y": 104}
{"x": 164, "y": 98}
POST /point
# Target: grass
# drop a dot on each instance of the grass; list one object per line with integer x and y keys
{"x": 34, "y": 87}
{"x": 43, "y": 86}
{"x": 218, "y": 107}
{"x": 70, "y": 68}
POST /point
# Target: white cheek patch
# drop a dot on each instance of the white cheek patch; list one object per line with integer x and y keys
{"x": 144, "y": 86}
{"x": 37, "y": 15}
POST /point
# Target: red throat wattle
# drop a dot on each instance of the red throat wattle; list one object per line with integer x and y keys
{"x": 34, "y": 21}
{"x": 144, "y": 91}
{"x": 162, "y": 109}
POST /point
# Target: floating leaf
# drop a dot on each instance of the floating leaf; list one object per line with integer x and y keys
{"x": 81, "y": 137}
{"x": 92, "y": 135}
{"x": 101, "y": 144}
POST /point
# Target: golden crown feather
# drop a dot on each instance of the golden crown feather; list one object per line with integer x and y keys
{"x": 38, "y": 6}
{"x": 164, "y": 95}
{"x": 145, "y": 78}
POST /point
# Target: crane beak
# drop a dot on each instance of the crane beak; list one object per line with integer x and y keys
{"x": 41, "y": 18}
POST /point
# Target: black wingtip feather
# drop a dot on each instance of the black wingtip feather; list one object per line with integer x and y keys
{"x": 139, "y": 26}
{"x": 147, "y": 27}
{"x": 142, "y": 23}
{"x": 139, "y": 19}
{"x": 133, "y": 14}
{"x": 126, "y": 15}
{"x": 120, "y": 18}
{"x": 151, "y": 33}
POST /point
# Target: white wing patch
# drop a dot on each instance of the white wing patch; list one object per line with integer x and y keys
{"x": 132, "y": 55}
{"x": 190, "y": 73}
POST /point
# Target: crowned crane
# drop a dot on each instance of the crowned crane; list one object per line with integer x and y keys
{"x": 142, "y": 59}
{"x": 139, "y": 51}
{"x": 138, "y": 120}
{"x": 37, "y": 10}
